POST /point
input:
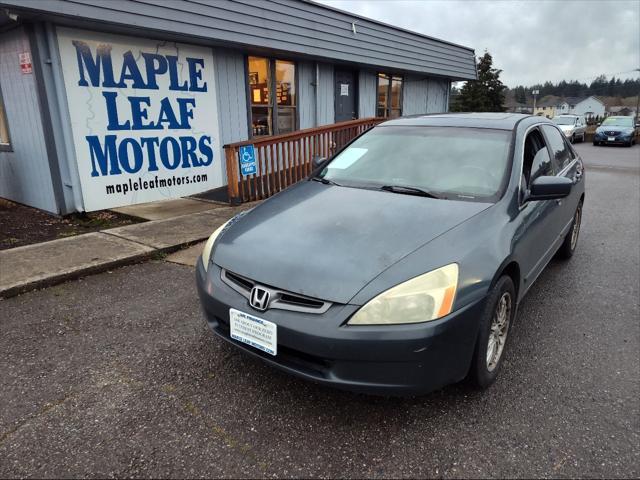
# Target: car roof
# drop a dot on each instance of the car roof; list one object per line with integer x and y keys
{"x": 501, "y": 120}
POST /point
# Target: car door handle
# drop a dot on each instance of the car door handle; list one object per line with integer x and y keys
{"x": 558, "y": 202}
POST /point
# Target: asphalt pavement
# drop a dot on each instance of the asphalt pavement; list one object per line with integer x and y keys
{"x": 117, "y": 374}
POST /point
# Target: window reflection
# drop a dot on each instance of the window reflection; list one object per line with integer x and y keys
{"x": 383, "y": 95}
{"x": 286, "y": 96}
{"x": 4, "y": 128}
{"x": 389, "y": 96}
{"x": 269, "y": 117}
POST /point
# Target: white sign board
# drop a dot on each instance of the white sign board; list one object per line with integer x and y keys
{"x": 143, "y": 115}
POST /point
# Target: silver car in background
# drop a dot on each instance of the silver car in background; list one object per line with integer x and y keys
{"x": 574, "y": 127}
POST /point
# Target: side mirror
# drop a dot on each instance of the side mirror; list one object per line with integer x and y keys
{"x": 318, "y": 161}
{"x": 550, "y": 188}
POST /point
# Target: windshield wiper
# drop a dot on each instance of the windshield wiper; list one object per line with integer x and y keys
{"x": 326, "y": 181}
{"x": 407, "y": 190}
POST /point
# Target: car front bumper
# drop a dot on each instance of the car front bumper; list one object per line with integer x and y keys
{"x": 617, "y": 139}
{"x": 384, "y": 360}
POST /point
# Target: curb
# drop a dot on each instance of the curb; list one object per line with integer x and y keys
{"x": 92, "y": 270}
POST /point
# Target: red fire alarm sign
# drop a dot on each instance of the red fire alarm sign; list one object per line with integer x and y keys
{"x": 25, "y": 62}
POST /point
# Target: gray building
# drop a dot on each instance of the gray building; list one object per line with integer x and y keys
{"x": 108, "y": 103}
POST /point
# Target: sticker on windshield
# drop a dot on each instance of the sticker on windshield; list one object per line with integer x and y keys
{"x": 348, "y": 158}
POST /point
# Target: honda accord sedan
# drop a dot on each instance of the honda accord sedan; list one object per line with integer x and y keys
{"x": 397, "y": 267}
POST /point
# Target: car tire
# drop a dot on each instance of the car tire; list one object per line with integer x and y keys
{"x": 497, "y": 318}
{"x": 595, "y": 144}
{"x": 570, "y": 242}
{"x": 573, "y": 138}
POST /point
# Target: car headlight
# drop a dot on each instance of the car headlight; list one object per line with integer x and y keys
{"x": 426, "y": 297}
{"x": 206, "y": 253}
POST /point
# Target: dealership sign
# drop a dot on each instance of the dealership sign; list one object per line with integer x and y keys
{"x": 143, "y": 115}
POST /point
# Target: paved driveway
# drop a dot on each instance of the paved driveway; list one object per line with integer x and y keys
{"x": 117, "y": 375}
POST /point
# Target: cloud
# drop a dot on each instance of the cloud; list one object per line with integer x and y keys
{"x": 531, "y": 41}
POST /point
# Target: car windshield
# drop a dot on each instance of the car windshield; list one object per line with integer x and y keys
{"x": 564, "y": 120}
{"x": 618, "y": 122}
{"x": 464, "y": 163}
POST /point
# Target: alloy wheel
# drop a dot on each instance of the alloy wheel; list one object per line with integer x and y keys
{"x": 499, "y": 330}
{"x": 575, "y": 231}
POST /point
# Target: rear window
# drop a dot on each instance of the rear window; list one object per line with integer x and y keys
{"x": 465, "y": 163}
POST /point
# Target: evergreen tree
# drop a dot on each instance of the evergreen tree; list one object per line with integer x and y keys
{"x": 485, "y": 94}
{"x": 521, "y": 94}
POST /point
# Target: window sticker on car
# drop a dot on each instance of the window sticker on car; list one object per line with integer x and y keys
{"x": 348, "y": 158}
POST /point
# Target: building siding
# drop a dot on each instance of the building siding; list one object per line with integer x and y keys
{"x": 438, "y": 96}
{"x": 232, "y": 98}
{"x": 306, "y": 94}
{"x": 367, "y": 80}
{"x": 414, "y": 98}
{"x": 25, "y": 176}
{"x": 231, "y": 86}
{"x": 311, "y": 29}
{"x": 325, "y": 98}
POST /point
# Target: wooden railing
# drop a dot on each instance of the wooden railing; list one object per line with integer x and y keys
{"x": 282, "y": 160}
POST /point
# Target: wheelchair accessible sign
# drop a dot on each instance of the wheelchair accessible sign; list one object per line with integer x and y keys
{"x": 248, "y": 164}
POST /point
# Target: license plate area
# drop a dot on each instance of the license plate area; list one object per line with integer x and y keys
{"x": 611, "y": 139}
{"x": 254, "y": 331}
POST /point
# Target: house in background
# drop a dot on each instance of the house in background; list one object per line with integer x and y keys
{"x": 621, "y": 110}
{"x": 552, "y": 106}
{"x": 547, "y": 106}
{"x": 590, "y": 107}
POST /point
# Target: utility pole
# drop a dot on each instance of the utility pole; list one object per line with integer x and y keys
{"x": 535, "y": 94}
{"x": 638, "y": 104}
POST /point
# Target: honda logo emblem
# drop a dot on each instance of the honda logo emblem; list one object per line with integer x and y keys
{"x": 259, "y": 298}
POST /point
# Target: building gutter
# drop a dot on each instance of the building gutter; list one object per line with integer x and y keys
{"x": 73, "y": 178}
{"x": 317, "y": 84}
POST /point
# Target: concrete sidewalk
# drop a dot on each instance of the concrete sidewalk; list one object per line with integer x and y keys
{"x": 48, "y": 263}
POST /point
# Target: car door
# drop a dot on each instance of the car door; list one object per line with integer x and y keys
{"x": 567, "y": 165}
{"x": 536, "y": 233}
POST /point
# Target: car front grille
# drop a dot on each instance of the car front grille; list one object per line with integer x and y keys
{"x": 612, "y": 134}
{"x": 280, "y": 299}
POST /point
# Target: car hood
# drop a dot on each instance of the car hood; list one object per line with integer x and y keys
{"x": 566, "y": 128}
{"x": 614, "y": 128}
{"x": 328, "y": 242}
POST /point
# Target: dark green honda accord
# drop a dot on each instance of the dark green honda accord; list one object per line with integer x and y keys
{"x": 398, "y": 265}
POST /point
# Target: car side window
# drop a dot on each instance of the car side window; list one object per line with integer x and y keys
{"x": 535, "y": 161}
{"x": 572, "y": 152}
{"x": 541, "y": 165}
{"x": 561, "y": 155}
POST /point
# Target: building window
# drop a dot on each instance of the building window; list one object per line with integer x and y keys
{"x": 5, "y": 143}
{"x": 272, "y": 96}
{"x": 389, "y": 96}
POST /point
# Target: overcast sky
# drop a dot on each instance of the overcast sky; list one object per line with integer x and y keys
{"x": 530, "y": 41}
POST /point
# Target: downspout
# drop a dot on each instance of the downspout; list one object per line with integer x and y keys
{"x": 317, "y": 85}
{"x": 448, "y": 96}
{"x": 73, "y": 180}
